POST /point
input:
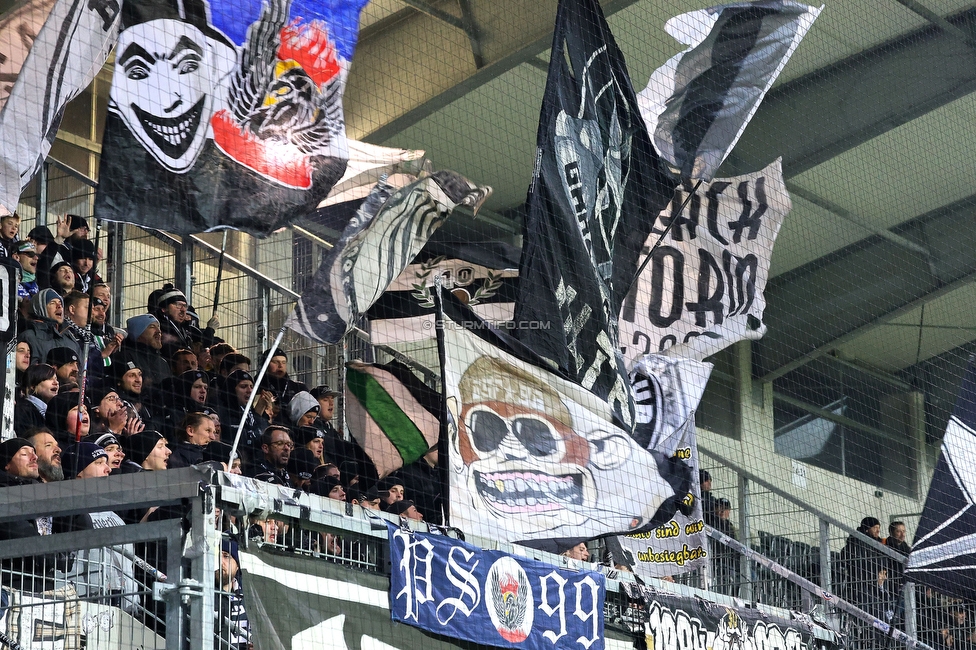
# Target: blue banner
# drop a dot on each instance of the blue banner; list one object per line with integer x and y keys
{"x": 445, "y": 586}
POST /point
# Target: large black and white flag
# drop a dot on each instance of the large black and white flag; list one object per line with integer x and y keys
{"x": 944, "y": 553}
{"x": 596, "y": 186}
{"x": 483, "y": 276}
{"x": 703, "y": 288}
{"x": 698, "y": 103}
{"x": 534, "y": 456}
{"x": 50, "y": 50}
{"x": 388, "y": 230}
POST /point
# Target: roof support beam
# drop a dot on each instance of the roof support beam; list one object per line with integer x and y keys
{"x": 420, "y": 64}
{"x": 803, "y": 305}
{"x": 820, "y": 115}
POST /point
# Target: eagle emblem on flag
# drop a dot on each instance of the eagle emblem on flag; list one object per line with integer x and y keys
{"x": 285, "y": 98}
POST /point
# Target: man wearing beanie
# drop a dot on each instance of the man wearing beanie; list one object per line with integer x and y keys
{"x": 19, "y": 462}
{"x": 98, "y": 571}
{"x": 83, "y": 256}
{"x": 148, "y": 449}
{"x": 47, "y": 329}
{"x": 277, "y": 382}
{"x": 170, "y": 311}
{"x": 406, "y": 510}
{"x": 18, "y": 466}
{"x": 863, "y": 566}
{"x": 143, "y": 344}
{"x": 85, "y": 460}
{"x": 303, "y": 409}
{"x": 301, "y": 464}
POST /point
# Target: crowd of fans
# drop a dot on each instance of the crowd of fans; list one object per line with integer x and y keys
{"x": 162, "y": 393}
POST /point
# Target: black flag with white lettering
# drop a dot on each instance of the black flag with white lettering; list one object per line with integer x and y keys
{"x": 596, "y": 189}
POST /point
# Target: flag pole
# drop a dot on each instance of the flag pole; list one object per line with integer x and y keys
{"x": 661, "y": 238}
{"x": 220, "y": 273}
{"x": 443, "y": 447}
{"x": 86, "y": 347}
{"x": 254, "y": 392}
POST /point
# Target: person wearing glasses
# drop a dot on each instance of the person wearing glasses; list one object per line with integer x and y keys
{"x": 276, "y": 445}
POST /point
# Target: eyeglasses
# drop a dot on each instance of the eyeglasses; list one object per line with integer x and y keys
{"x": 282, "y": 443}
{"x": 26, "y": 254}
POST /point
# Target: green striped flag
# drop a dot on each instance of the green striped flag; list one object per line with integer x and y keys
{"x": 386, "y": 418}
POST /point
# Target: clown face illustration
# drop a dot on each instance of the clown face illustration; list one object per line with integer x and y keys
{"x": 168, "y": 77}
{"x": 537, "y": 462}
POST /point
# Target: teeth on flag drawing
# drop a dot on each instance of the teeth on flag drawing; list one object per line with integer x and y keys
{"x": 533, "y": 456}
{"x": 227, "y": 115}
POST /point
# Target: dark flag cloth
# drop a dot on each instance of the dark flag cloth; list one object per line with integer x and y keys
{"x": 534, "y": 456}
{"x": 698, "y": 104}
{"x": 597, "y": 186}
{"x": 50, "y": 50}
{"x": 387, "y": 231}
{"x": 226, "y": 114}
{"x": 483, "y": 276}
{"x": 944, "y": 553}
{"x": 391, "y": 414}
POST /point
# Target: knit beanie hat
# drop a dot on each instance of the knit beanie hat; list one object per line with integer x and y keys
{"x": 138, "y": 324}
{"x": 301, "y": 404}
{"x": 138, "y": 446}
{"x": 9, "y": 449}
{"x": 80, "y": 455}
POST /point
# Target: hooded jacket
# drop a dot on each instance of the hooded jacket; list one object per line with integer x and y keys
{"x": 45, "y": 333}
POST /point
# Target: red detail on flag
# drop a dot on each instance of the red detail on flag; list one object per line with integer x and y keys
{"x": 309, "y": 46}
{"x": 513, "y": 636}
{"x": 279, "y": 161}
{"x": 509, "y": 585}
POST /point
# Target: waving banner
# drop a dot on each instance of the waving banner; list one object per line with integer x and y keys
{"x": 388, "y": 230}
{"x": 667, "y": 393}
{"x": 596, "y": 181}
{"x": 534, "y": 456}
{"x": 698, "y": 103}
{"x": 445, "y": 586}
{"x": 405, "y": 312}
{"x": 944, "y": 554}
{"x": 49, "y": 52}
{"x": 703, "y": 289}
{"x": 226, "y": 114}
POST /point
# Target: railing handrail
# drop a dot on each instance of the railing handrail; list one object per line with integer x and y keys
{"x": 741, "y": 471}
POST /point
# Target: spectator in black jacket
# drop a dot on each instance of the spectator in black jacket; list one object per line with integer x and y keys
{"x": 277, "y": 382}
{"x": 18, "y": 461}
{"x": 276, "y": 447}
{"x": 143, "y": 345}
{"x": 196, "y": 432}
{"x": 41, "y": 385}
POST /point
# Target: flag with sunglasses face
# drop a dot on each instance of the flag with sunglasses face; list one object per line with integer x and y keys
{"x": 226, "y": 114}
{"x": 534, "y": 456}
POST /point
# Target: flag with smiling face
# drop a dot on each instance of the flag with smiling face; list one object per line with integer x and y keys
{"x": 226, "y": 114}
